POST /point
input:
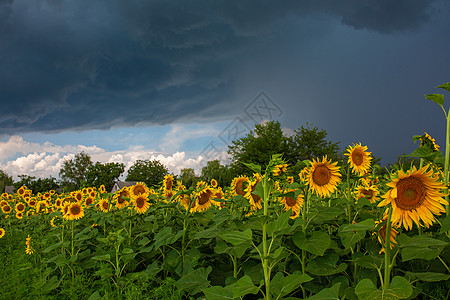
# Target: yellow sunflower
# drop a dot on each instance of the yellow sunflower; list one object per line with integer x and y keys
{"x": 2, "y": 232}
{"x": 139, "y": 189}
{"x": 279, "y": 169}
{"x": 370, "y": 192}
{"x": 203, "y": 200}
{"x": 6, "y": 209}
{"x": 293, "y": 203}
{"x": 3, "y": 203}
{"x": 254, "y": 200}
{"x": 75, "y": 211}
{"x": 323, "y": 177}
{"x": 303, "y": 175}
{"x": 103, "y": 205}
{"x": 426, "y": 139}
{"x": 88, "y": 201}
{"x": 381, "y": 234}
{"x": 21, "y": 191}
{"x": 414, "y": 195}
{"x": 121, "y": 198}
{"x": 19, "y": 215}
{"x": 141, "y": 204}
{"x": 78, "y": 195}
{"x": 20, "y": 207}
{"x": 214, "y": 183}
{"x": 168, "y": 182}
{"x": 359, "y": 159}
{"x": 238, "y": 185}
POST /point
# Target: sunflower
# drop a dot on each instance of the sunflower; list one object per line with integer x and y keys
{"x": 103, "y": 205}
{"x": 20, "y": 207}
{"x": 359, "y": 159}
{"x": 29, "y": 250}
{"x": 102, "y": 189}
{"x": 414, "y": 195}
{"x": 214, "y": 183}
{"x": 65, "y": 209}
{"x": 121, "y": 198}
{"x": 78, "y": 195}
{"x": 6, "y": 209}
{"x": 293, "y": 203}
{"x": 168, "y": 182}
{"x": 88, "y": 201}
{"x": 19, "y": 215}
{"x": 238, "y": 185}
{"x": 2, "y": 232}
{"x": 290, "y": 179}
{"x": 203, "y": 200}
{"x": 139, "y": 189}
{"x": 21, "y": 191}
{"x": 75, "y": 211}
{"x": 381, "y": 234}
{"x": 254, "y": 200}
{"x": 32, "y": 202}
{"x": 279, "y": 169}
{"x": 323, "y": 177}
{"x": 303, "y": 175}
{"x": 370, "y": 192}
{"x": 426, "y": 139}
{"x": 141, "y": 204}
{"x": 3, "y": 203}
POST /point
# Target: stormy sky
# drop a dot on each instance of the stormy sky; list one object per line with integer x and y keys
{"x": 167, "y": 77}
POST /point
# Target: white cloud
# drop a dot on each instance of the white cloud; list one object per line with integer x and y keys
{"x": 179, "y": 133}
{"x": 18, "y": 157}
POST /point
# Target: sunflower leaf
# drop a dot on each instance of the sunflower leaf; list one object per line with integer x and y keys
{"x": 195, "y": 281}
{"x": 436, "y": 98}
{"x": 420, "y": 247}
{"x": 328, "y": 293}
{"x": 445, "y": 86}
{"x": 427, "y": 276}
{"x": 280, "y": 224}
{"x": 317, "y": 244}
{"x": 218, "y": 293}
{"x": 255, "y": 168}
{"x": 237, "y": 237}
{"x": 244, "y": 286}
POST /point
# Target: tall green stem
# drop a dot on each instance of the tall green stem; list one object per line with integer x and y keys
{"x": 72, "y": 239}
{"x": 446, "y": 162}
{"x": 265, "y": 260}
{"x": 349, "y": 204}
{"x": 387, "y": 252}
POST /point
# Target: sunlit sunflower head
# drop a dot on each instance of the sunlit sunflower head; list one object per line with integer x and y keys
{"x": 185, "y": 200}
{"x": 141, "y": 204}
{"x": 19, "y": 215}
{"x": 303, "y": 175}
{"x": 203, "y": 200}
{"x": 121, "y": 198}
{"x": 75, "y": 211}
{"x": 290, "y": 179}
{"x": 20, "y": 207}
{"x": 21, "y": 191}
{"x": 214, "y": 183}
{"x": 370, "y": 192}
{"x": 254, "y": 200}
{"x": 279, "y": 169}
{"x": 2, "y": 232}
{"x": 78, "y": 195}
{"x": 238, "y": 185}
{"x": 32, "y": 202}
{"x": 168, "y": 182}
{"x": 415, "y": 196}
{"x": 138, "y": 189}
{"x": 323, "y": 177}
{"x": 65, "y": 209}
{"x": 294, "y": 203}
{"x": 6, "y": 209}
{"x": 92, "y": 194}
{"x": 102, "y": 189}
{"x": 359, "y": 159}
{"x": 427, "y": 140}
{"x": 103, "y": 205}
{"x": 88, "y": 201}
{"x": 3, "y": 203}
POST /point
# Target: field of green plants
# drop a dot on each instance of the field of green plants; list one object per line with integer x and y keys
{"x": 337, "y": 230}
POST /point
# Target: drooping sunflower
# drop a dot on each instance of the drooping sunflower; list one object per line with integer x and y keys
{"x": 370, "y": 192}
{"x": 141, "y": 204}
{"x": 293, "y": 203}
{"x": 323, "y": 177}
{"x": 75, "y": 211}
{"x": 138, "y": 189}
{"x": 88, "y": 201}
{"x": 381, "y": 235}
{"x": 121, "y": 198}
{"x": 2, "y": 232}
{"x": 303, "y": 175}
{"x": 279, "y": 169}
{"x": 426, "y": 139}
{"x": 359, "y": 159}
{"x": 254, "y": 200}
{"x": 415, "y": 195}
{"x": 238, "y": 185}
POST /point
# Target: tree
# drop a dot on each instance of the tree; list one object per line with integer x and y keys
{"x": 188, "y": 177}
{"x": 103, "y": 174}
{"x": 258, "y": 147}
{"x": 73, "y": 171}
{"x": 151, "y": 172}
{"x": 5, "y": 180}
{"x": 217, "y": 171}
{"x": 40, "y": 185}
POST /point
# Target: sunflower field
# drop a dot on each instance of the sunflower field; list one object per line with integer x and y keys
{"x": 337, "y": 230}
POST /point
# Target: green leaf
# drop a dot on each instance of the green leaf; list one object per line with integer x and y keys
{"x": 281, "y": 286}
{"x": 237, "y": 237}
{"x": 325, "y": 265}
{"x": 95, "y": 296}
{"x": 367, "y": 261}
{"x": 436, "y": 98}
{"x": 350, "y": 234}
{"x": 280, "y": 224}
{"x": 423, "y": 152}
{"x": 331, "y": 293}
{"x": 445, "y": 225}
{"x": 207, "y": 234}
{"x": 445, "y": 86}
{"x": 255, "y": 168}
{"x": 367, "y": 290}
{"x": 399, "y": 288}
{"x": 244, "y": 286}
{"x": 420, "y": 247}
{"x": 195, "y": 281}
{"x": 317, "y": 244}
{"x": 427, "y": 276}
{"x": 103, "y": 257}
{"x": 324, "y": 214}
{"x": 218, "y": 293}
{"x": 166, "y": 237}
{"x": 53, "y": 247}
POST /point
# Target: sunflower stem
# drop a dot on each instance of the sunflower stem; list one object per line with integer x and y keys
{"x": 387, "y": 252}
{"x": 71, "y": 253}
{"x": 264, "y": 240}
{"x": 349, "y": 206}
{"x": 446, "y": 161}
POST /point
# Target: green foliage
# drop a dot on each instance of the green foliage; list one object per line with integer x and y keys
{"x": 39, "y": 185}
{"x": 103, "y": 174}
{"x": 5, "y": 180}
{"x": 188, "y": 177}
{"x": 151, "y": 172}
{"x": 215, "y": 170}
{"x": 73, "y": 172}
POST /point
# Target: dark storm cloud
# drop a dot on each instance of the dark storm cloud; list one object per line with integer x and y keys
{"x": 97, "y": 64}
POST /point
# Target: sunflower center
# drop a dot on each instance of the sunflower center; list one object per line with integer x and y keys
{"x": 139, "y": 190}
{"x": 169, "y": 185}
{"x": 140, "y": 202}
{"x": 321, "y": 175}
{"x": 367, "y": 193}
{"x": 20, "y": 207}
{"x": 105, "y": 205}
{"x": 410, "y": 193}
{"x": 239, "y": 188}
{"x": 75, "y": 210}
{"x": 204, "y": 197}
{"x": 357, "y": 158}
{"x": 290, "y": 201}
